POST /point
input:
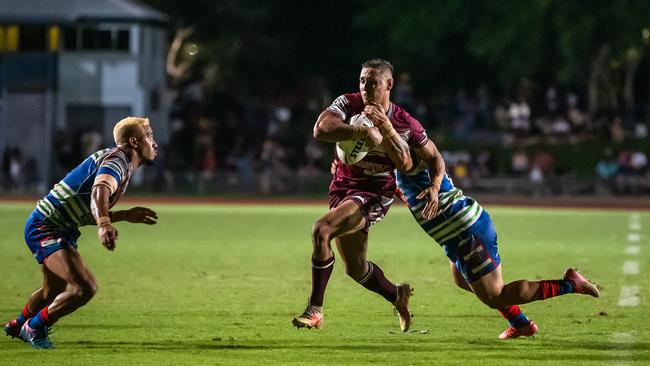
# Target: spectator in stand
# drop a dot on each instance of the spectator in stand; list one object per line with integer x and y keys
{"x": 543, "y": 167}
{"x": 616, "y": 133}
{"x": 13, "y": 168}
{"x": 275, "y": 172}
{"x": 639, "y": 162}
{"x": 623, "y": 181}
{"x": 520, "y": 117}
{"x": 551, "y": 100}
{"x": 606, "y": 171}
{"x": 484, "y": 164}
{"x": 314, "y": 152}
{"x": 520, "y": 163}
{"x": 502, "y": 117}
{"x": 638, "y": 165}
{"x": 577, "y": 119}
{"x": 641, "y": 130}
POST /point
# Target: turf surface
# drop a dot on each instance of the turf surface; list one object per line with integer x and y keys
{"x": 213, "y": 285}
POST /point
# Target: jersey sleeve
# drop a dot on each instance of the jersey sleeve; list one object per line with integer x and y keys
{"x": 114, "y": 166}
{"x": 341, "y": 106}
{"x": 418, "y": 136}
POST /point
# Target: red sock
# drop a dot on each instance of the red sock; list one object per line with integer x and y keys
{"x": 25, "y": 314}
{"x": 43, "y": 319}
{"x": 552, "y": 288}
{"x": 514, "y": 316}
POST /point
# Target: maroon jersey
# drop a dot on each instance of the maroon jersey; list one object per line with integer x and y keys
{"x": 375, "y": 172}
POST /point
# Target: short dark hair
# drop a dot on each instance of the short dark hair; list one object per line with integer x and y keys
{"x": 379, "y": 63}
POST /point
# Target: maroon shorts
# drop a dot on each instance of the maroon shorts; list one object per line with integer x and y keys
{"x": 373, "y": 206}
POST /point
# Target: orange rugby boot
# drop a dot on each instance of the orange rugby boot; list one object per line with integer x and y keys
{"x": 12, "y": 329}
{"x": 312, "y": 317}
{"x": 404, "y": 293}
{"x": 580, "y": 284}
{"x": 527, "y": 330}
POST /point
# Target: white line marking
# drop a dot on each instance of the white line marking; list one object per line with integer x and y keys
{"x": 633, "y": 237}
{"x": 635, "y": 226}
{"x": 635, "y": 217}
{"x": 633, "y": 250}
{"x": 630, "y": 296}
{"x": 631, "y": 267}
{"x": 621, "y": 344}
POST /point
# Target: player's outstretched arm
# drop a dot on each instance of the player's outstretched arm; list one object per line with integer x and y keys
{"x": 136, "y": 215}
{"x": 396, "y": 147}
{"x": 431, "y": 156}
{"x": 330, "y": 127}
{"x": 99, "y": 206}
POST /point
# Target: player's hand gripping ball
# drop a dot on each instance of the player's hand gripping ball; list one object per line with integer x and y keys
{"x": 352, "y": 151}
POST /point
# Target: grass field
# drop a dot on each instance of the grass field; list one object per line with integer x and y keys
{"x": 212, "y": 285}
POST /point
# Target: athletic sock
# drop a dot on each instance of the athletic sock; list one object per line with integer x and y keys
{"x": 320, "y": 275}
{"x": 43, "y": 319}
{"x": 375, "y": 281}
{"x": 552, "y": 288}
{"x": 514, "y": 316}
{"x": 24, "y": 316}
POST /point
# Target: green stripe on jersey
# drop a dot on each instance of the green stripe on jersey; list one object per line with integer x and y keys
{"x": 466, "y": 222}
{"x": 96, "y": 155}
{"x": 458, "y": 220}
{"x": 115, "y": 167}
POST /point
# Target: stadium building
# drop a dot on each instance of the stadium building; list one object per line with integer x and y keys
{"x": 77, "y": 66}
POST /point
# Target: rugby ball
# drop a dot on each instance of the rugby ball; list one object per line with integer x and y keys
{"x": 352, "y": 151}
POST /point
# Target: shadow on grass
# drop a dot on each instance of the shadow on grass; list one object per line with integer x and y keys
{"x": 536, "y": 349}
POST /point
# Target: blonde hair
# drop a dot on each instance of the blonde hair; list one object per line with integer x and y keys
{"x": 129, "y": 127}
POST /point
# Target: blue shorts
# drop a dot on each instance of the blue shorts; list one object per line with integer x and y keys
{"x": 44, "y": 238}
{"x": 475, "y": 251}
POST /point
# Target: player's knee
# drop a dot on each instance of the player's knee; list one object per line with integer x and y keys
{"x": 460, "y": 282}
{"x": 357, "y": 270}
{"x": 50, "y": 293}
{"x": 493, "y": 301}
{"x": 320, "y": 232}
{"x": 86, "y": 291}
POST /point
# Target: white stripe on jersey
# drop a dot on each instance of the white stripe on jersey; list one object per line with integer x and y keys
{"x": 476, "y": 250}
{"x": 47, "y": 243}
{"x": 476, "y": 214}
{"x": 338, "y": 106}
{"x": 456, "y": 224}
{"x": 481, "y": 266}
{"x": 96, "y": 155}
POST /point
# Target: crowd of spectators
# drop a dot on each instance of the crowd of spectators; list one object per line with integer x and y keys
{"x": 218, "y": 144}
{"x": 266, "y": 146}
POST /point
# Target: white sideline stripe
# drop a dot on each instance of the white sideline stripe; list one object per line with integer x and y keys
{"x": 631, "y": 267}
{"x": 621, "y": 344}
{"x": 622, "y": 337}
{"x": 630, "y": 296}
{"x": 633, "y": 250}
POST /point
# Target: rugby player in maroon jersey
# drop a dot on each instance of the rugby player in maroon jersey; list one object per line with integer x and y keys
{"x": 361, "y": 194}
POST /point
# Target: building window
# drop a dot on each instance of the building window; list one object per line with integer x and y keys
{"x": 96, "y": 38}
{"x": 32, "y": 38}
{"x": 123, "y": 38}
{"x": 70, "y": 38}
